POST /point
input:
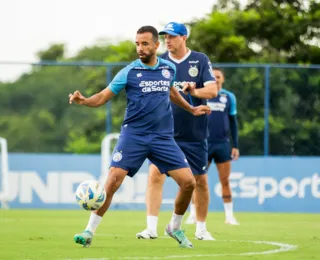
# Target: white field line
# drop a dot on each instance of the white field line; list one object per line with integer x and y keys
{"x": 281, "y": 248}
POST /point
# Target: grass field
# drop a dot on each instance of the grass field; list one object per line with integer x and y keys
{"x": 48, "y": 234}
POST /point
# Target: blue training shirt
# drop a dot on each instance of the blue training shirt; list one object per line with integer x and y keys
{"x": 221, "y": 107}
{"x": 148, "y": 96}
{"x": 195, "y": 67}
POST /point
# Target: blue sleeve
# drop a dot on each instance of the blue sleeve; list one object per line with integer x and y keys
{"x": 234, "y": 130}
{"x": 233, "y": 104}
{"x": 119, "y": 81}
{"x": 207, "y": 73}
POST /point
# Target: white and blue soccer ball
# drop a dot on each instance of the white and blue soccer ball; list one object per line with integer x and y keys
{"x": 90, "y": 195}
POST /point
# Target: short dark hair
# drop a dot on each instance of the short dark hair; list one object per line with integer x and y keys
{"x": 150, "y": 29}
{"x": 219, "y": 69}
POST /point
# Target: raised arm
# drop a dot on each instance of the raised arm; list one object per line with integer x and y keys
{"x": 95, "y": 100}
{"x": 209, "y": 90}
{"x": 118, "y": 83}
{"x": 177, "y": 99}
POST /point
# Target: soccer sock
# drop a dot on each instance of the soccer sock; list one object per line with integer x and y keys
{"x": 193, "y": 210}
{"x": 228, "y": 209}
{"x": 152, "y": 223}
{"x": 175, "y": 222}
{"x": 93, "y": 223}
{"x": 201, "y": 226}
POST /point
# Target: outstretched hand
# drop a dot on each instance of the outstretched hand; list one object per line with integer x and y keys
{"x": 77, "y": 98}
{"x": 201, "y": 110}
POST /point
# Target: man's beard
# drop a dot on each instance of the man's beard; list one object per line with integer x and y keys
{"x": 146, "y": 58}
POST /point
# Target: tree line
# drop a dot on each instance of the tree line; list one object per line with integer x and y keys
{"x": 36, "y": 117}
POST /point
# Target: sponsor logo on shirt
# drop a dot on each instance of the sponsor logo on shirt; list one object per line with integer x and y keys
{"x": 155, "y": 86}
{"x": 216, "y": 106}
{"x": 179, "y": 84}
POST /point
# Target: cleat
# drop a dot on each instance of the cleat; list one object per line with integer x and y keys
{"x": 204, "y": 235}
{"x": 180, "y": 237}
{"x": 84, "y": 239}
{"x": 147, "y": 234}
{"x": 232, "y": 221}
{"x": 191, "y": 220}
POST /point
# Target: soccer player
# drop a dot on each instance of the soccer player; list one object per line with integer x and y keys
{"x": 222, "y": 121}
{"x": 196, "y": 83}
{"x": 147, "y": 130}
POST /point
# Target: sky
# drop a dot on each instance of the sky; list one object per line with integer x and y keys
{"x": 27, "y": 26}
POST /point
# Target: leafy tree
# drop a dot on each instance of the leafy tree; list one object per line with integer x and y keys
{"x": 36, "y": 116}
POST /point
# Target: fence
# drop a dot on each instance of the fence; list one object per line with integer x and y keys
{"x": 278, "y": 107}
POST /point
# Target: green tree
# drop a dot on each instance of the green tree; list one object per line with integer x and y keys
{"x": 268, "y": 31}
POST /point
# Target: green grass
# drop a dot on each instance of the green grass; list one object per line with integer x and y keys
{"x": 48, "y": 234}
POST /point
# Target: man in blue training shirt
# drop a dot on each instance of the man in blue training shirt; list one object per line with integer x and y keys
{"x": 147, "y": 130}
{"x": 223, "y": 121}
{"x": 196, "y": 83}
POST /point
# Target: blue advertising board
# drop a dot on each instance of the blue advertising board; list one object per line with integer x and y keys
{"x": 259, "y": 184}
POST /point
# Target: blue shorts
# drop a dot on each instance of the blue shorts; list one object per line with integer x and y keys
{"x": 131, "y": 151}
{"x": 219, "y": 152}
{"x": 197, "y": 155}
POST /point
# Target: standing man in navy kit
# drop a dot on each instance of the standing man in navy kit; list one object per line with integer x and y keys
{"x": 196, "y": 83}
{"x": 222, "y": 121}
{"x": 147, "y": 130}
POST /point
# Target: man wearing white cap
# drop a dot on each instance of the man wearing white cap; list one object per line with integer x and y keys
{"x": 196, "y": 83}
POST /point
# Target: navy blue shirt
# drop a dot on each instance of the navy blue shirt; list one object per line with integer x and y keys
{"x": 148, "y": 96}
{"x": 195, "y": 67}
{"x": 221, "y": 107}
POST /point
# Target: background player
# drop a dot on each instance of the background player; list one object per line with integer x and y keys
{"x": 196, "y": 83}
{"x": 222, "y": 121}
{"x": 147, "y": 130}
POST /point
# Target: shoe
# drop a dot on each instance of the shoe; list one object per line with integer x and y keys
{"x": 191, "y": 220}
{"x": 180, "y": 237}
{"x": 147, "y": 234}
{"x": 232, "y": 221}
{"x": 85, "y": 238}
{"x": 204, "y": 235}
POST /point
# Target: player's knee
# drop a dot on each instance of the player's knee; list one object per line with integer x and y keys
{"x": 113, "y": 182}
{"x": 224, "y": 182}
{"x": 156, "y": 179}
{"x": 188, "y": 184}
{"x": 202, "y": 183}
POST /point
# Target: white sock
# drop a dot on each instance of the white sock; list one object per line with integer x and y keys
{"x": 152, "y": 223}
{"x": 193, "y": 210}
{"x": 93, "y": 223}
{"x": 175, "y": 222}
{"x": 228, "y": 209}
{"x": 201, "y": 226}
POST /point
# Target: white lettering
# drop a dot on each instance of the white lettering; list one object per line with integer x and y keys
{"x": 154, "y": 83}
{"x": 216, "y": 106}
{"x": 315, "y": 185}
{"x": 69, "y": 182}
{"x": 153, "y": 89}
{"x": 264, "y": 188}
{"x": 179, "y": 84}
{"x": 264, "y": 192}
{"x": 288, "y": 182}
{"x": 248, "y": 187}
{"x": 31, "y": 183}
{"x": 302, "y": 187}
